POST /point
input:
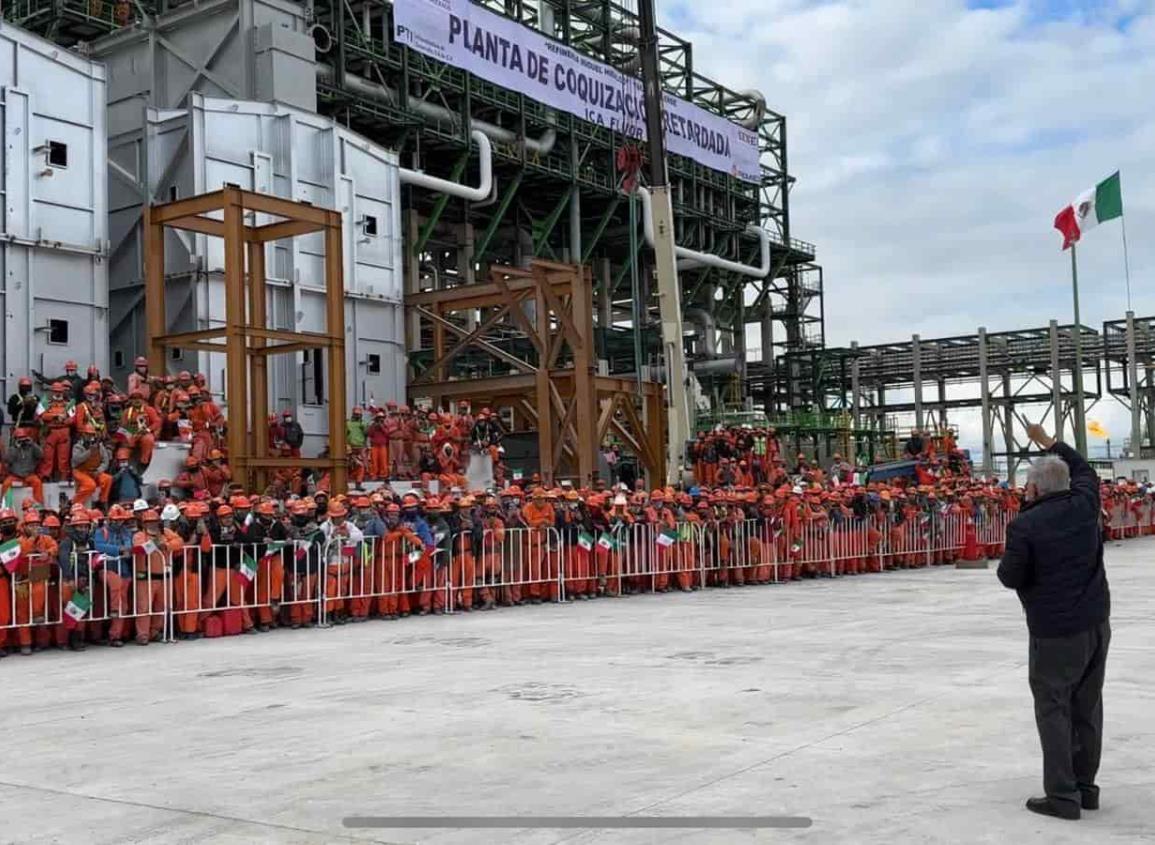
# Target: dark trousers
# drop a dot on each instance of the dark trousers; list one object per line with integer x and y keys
{"x": 1066, "y": 675}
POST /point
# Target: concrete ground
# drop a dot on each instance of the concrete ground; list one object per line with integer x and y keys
{"x": 888, "y": 708}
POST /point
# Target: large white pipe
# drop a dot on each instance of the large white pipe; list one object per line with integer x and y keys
{"x": 455, "y": 189}
{"x": 541, "y": 146}
{"x": 707, "y": 258}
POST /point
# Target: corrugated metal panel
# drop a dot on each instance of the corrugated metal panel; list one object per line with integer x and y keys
{"x": 54, "y": 231}
{"x": 299, "y": 155}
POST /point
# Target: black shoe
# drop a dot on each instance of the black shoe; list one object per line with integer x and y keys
{"x": 1059, "y": 809}
{"x": 1089, "y": 798}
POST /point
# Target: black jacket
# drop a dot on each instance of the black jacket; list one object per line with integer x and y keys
{"x": 1054, "y": 556}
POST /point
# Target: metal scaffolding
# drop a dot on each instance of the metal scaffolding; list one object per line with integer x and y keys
{"x": 248, "y": 342}
{"x": 536, "y": 328}
{"x": 1014, "y": 378}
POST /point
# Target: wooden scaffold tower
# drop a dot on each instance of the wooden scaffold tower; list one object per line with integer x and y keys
{"x": 245, "y": 338}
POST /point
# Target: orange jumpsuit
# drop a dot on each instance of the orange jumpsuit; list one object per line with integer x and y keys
{"x": 542, "y": 565}
{"x": 138, "y": 430}
{"x": 30, "y": 585}
{"x": 57, "y": 460}
{"x": 149, "y": 570}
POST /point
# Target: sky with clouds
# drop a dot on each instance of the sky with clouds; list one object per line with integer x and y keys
{"x": 935, "y": 140}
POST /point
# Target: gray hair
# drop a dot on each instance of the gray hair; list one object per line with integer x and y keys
{"x": 1049, "y": 474}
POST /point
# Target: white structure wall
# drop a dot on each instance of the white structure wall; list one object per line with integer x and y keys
{"x": 276, "y": 149}
{"x": 54, "y": 214}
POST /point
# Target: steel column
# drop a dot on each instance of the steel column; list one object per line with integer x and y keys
{"x": 1056, "y": 379}
{"x": 916, "y": 364}
{"x": 1133, "y": 389}
{"x": 985, "y": 387}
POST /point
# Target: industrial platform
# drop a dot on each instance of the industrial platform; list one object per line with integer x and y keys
{"x": 888, "y": 708}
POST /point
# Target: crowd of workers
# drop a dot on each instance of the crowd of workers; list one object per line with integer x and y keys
{"x": 83, "y": 429}
{"x": 116, "y": 561}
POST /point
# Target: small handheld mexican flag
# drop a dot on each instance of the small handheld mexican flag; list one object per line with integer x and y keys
{"x": 76, "y": 609}
{"x": 605, "y": 541}
{"x": 667, "y": 538}
{"x": 10, "y": 554}
{"x": 415, "y": 555}
{"x": 796, "y": 546}
{"x": 517, "y": 475}
{"x": 586, "y": 541}
{"x": 148, "y": 547}
{"x": 248, "y": 570}
{"x": 273, "y": 551}
{"x": 302, "y": 549}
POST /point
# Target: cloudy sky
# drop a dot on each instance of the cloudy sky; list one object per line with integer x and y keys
{"x": 935, "y": 140}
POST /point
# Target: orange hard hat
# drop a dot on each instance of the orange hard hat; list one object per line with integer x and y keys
{"x": 337, "y": 510}
{"x": 31, "y": 517}
{"x": 224, "y": 510}
{"x": 266, "y": 509}
{"x": 150, "y": 516}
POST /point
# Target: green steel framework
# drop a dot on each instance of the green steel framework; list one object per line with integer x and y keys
{"x": 561, "y": 204}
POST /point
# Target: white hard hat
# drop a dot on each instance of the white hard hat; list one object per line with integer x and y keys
{"x": 139, "y": 505}
{"x": 170, "y": 513}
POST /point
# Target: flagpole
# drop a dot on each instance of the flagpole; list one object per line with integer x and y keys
{"x": 1126, "y": 260}
{"x": 1080, "y": 422}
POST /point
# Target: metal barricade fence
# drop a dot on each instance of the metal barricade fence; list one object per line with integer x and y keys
{"x": 43, "y": 603}
{"x": 521, "y": 564}
{"x": 306, "y": 582}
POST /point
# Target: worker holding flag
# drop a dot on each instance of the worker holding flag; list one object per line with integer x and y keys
{"x": 37, "y": 557}
{"x": 153, "y": 548}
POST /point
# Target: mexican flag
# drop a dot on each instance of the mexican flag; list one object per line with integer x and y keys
{"x": 667, "y": 538}
{"x": 273, "y": 551}
{"x": 605, "y": 541}
{"x": 148, "y": 547}
{"x": 415, "y": 555}
{"x": 1094, "y": 206}
{"x": 248, "y": 570}
{"x": 76, "y": 609}
{"x": 796, "y": 546}
{"x": 586, "y": 541}
{"x": 302, "y": 549}
{"x": 10, "y": 554}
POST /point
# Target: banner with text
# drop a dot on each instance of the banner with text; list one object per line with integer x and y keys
{"x": 513, "y": 56}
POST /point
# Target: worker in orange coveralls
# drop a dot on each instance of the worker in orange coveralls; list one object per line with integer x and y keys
{"x": 30, "y": 578}
{"x": 153, "y": 548}
{"x": 90, "y": 461}
{"x": 392, "y": 564}
{"x": 540, "y": 518}
{"x": 139, "y": 426}
{"x": 56, "y": 461}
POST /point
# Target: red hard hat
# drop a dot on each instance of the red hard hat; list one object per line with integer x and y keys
{"x": 7, "y": 513}
{"x": 92, "y": 387}
{"x": 140, "y": 362}
{"x": 31, "y": 517}
{"x": 25, "y": 382}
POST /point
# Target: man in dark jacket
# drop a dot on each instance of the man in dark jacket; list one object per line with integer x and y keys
{"x": 1054, "y": 559}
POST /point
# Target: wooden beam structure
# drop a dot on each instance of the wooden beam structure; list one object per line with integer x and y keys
{"x": 555, "y": 389}
{"x": 245, "y": 338}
